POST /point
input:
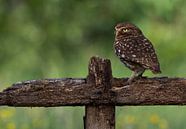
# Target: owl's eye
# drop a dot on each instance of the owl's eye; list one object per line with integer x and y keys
{"x": 125, "y": 30}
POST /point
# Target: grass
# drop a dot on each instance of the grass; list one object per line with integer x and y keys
{"x": 128, "y": 117}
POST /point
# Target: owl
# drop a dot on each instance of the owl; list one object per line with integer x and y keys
{"x": 135, "y": 50}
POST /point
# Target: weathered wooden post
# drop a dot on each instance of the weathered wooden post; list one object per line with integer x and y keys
{"x": 102, "y": 116}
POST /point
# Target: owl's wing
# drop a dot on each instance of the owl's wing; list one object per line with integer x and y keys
{"x": 138, "y": 50}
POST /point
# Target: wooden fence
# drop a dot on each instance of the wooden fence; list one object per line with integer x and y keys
{"x": 100, "y": 92}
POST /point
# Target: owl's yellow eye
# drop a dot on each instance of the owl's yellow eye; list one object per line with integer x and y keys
{"x": 125, "y": 30}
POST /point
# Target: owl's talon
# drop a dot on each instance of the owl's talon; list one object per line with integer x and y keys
{"x": 131, "y": 80}
{"x": 142, "y": 77}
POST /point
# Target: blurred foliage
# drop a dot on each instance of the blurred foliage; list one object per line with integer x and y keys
{"x": 56, "y": 38}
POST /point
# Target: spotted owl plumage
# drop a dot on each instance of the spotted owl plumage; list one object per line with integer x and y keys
{"x": 135, "y": 50}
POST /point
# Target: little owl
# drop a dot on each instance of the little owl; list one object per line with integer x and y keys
{"x": 135, "y": 50}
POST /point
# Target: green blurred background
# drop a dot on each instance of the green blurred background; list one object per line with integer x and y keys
{"x": 55, "y": 39}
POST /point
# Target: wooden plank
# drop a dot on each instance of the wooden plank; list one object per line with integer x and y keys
{"x": 77, "y": 92}
{"x": 100, "y": 116}
{"x": 152, "y": 91}
{"x": 82, "y": 91}
{"x": 47, "y": 92}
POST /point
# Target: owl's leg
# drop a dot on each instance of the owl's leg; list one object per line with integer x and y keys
{"x": 135, "y": 75}
{"x": 132, "y": 77}
{"x": 140, "y": 73}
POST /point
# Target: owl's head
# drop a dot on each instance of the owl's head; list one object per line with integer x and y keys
{"x": 126, "y": 29}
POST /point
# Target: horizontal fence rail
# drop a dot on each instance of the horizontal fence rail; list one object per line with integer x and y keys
{"x": 80, "y": 91}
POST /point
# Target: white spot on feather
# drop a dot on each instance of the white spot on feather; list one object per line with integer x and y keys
{"x": 123, "y": 55}
{"x": 117, "y": 42}
{"x": 133, "y": 55}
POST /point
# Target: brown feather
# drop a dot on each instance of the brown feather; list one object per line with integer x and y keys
{"x": 134, "y": 49}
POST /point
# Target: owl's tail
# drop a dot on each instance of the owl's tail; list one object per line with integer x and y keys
{"x": 156, "y": 69}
